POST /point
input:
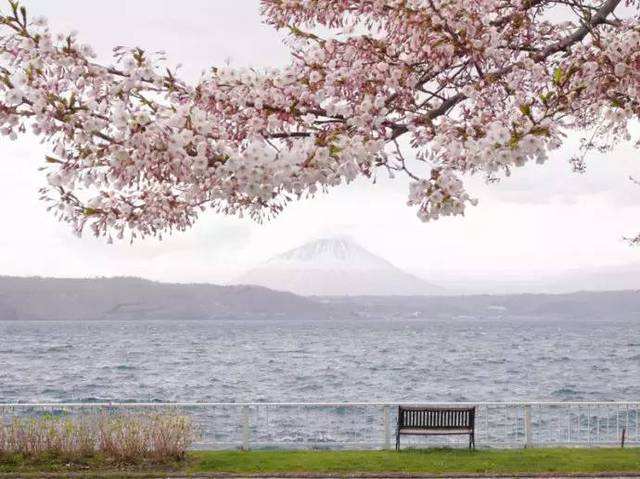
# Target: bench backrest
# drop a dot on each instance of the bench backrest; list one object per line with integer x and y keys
{"x": 436, "y": 418}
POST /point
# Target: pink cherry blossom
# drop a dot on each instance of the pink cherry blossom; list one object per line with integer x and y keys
{"x": 472, "y": 87}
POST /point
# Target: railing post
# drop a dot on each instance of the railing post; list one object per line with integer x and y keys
{"x": 528, "y": 432}
{"x": 387, "y": 428}
{"x": 245, "y": 428}
{"x": 589, "y": 424}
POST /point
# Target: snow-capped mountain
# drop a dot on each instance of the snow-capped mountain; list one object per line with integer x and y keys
{"x": 335, "y": 267}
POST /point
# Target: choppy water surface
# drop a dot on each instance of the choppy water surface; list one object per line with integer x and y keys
{"x": 289, "y": 360}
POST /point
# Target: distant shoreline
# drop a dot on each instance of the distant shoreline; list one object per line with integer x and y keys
{"x": 42, "y": 299}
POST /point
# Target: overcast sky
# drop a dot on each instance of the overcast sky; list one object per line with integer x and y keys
{"x": 542, "y": 222}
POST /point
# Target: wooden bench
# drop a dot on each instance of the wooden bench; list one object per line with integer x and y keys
{"x": 428, "y": 421}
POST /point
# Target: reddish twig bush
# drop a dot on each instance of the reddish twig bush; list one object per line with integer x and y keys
{"x": 122, "y": 438}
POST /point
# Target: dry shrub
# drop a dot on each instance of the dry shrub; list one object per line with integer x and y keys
{"x": 47, "y": 435}
{"x": 123, "y": 438}
{"x": 171, "y": 436}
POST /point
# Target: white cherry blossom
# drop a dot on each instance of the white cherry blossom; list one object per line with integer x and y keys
{"x": 473, "y": 86}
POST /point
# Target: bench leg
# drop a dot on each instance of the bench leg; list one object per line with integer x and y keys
{"x": 472, "y": 441}
{"x": 397, "y": 442}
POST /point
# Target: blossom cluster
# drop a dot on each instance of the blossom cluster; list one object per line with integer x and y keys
{"x": 474, "y": 86}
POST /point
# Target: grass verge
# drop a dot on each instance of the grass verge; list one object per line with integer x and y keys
{"x": 426, "y": 461}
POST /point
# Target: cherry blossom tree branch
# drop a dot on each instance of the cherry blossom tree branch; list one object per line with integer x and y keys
{"x": 479, "y": 86}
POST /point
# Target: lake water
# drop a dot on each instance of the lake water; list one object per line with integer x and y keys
{"x": 289, "y": 360}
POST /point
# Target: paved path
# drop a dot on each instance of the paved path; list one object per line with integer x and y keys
{"x": 125, "y": 475}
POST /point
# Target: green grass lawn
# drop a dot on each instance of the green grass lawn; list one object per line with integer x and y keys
{"x": 426, "y": 461}
{"x": 436, "y": 461}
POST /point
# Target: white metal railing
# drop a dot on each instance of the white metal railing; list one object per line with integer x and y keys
{"x": 371, "y": 425}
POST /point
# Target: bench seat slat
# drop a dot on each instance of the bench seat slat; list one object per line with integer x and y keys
{"x": 435, "y": 431}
